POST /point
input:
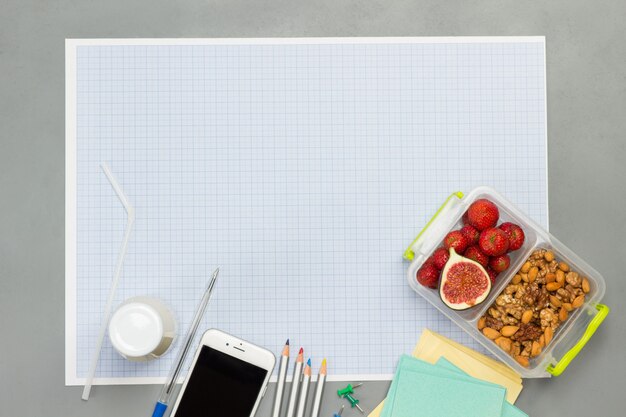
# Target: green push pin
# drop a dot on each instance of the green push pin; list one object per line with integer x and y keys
{"x": 354, "y": 402}
{"x": 348, "y": 390}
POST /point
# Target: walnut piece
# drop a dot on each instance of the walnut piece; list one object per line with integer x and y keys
{"x": 548, "y": 318}
{"x": 573, "y": 279}
{"x": 527, "y": 332}
{"x": 493, "y": 323}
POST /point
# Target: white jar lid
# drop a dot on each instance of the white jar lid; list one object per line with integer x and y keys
{"x": 136, "y": 329}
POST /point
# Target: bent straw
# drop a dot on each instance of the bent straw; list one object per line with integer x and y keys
{"x": 130, "y": 213}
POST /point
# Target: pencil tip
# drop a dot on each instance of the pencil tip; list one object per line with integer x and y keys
{"x": 287, "y": 342}
{"x": 308, "y": 362}
{"x": 324, "y": 362}
{"x": 301, "y": 351}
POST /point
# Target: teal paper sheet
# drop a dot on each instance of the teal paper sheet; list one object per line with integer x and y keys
{"x": 508, "y": 409}
{"x": 443, "y": 390}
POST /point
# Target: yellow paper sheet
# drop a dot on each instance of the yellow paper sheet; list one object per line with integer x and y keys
{"x": 432, "y": 346}
{"x": 504, "y": 369}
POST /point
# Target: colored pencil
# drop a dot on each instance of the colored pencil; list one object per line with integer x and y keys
{"x": 304, "y": 389}
{"x": 295, "y": 385}
{"x": 319, "y": 390}
{"x": 280, "y": 384}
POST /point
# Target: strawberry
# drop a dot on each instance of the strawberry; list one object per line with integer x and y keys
{"x": 474, "y": 253}
{"x": 456, "y": 240}
{"x": 492, "y": 275}
{"x": 499, "y": 263}
{"x": 483, "y": 214}
{"x": 471, "y": 234}
{"x": 440, "y": 257}
{"x": 515, "y": 234}
{"x": 428, "y": 275}
{"x": 493, "y": 242}
{"x": 464, "y": 219}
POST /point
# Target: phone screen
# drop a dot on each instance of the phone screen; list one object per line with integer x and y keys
{"x": 221, "y": 386}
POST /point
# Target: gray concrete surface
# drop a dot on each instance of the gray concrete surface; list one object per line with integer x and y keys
{"x": 586, "y": 51}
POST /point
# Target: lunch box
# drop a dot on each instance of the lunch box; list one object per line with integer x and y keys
{"x": 572, "y": 334}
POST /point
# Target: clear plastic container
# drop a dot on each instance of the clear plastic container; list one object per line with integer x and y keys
{"x": 570, "y": 336}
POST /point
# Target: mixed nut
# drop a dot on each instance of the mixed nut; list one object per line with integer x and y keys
{"x": 525, "y": 316}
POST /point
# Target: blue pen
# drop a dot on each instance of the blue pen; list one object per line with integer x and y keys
{"x": 168, "y": 388}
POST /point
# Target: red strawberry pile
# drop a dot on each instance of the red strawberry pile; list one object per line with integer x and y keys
{"x": 480, "y": 239}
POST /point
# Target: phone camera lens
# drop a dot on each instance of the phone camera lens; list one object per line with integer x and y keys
{"x": 226, "y": 344}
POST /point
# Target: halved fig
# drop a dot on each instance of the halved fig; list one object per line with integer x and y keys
{"x": 464, "y": 283}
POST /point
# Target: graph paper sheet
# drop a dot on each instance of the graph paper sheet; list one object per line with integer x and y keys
{"x": 302, "y": 168}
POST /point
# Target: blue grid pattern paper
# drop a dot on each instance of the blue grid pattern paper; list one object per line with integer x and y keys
{"x": 301, "y": 167}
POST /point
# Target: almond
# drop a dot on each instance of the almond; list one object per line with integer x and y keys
{"x": 522, "y": 360}
{"x": 560, "y": 277}
{"x": 535, "y": 350}
{"x": 547, "y": 335}
{"x": 553, "y": 286}
{"x": 525, "y": 267}
{"x": 578, "y": 301}
{"x": 516, "y": 279}
{"x": 532, "y": 274}
{"x": 563, "y": 314}
{"x": 586, "y": 287}
{"x": 550, "y": 277}
{"x": 563, "y": 266}
{"x": 492, "y": 334}
{"x": 549, "y": 256}
{"x": 568, "y": 307}
{"x": 527, "y": 316}
{"x": 555, "y": 301}
{"x": 508, "y": 331}
{"x": 504, "y": 343}
{"x": 481, "y": 323}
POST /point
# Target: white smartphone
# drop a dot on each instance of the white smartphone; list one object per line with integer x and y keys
{"x": 228, "y": 378}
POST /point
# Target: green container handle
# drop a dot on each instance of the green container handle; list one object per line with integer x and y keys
{"x": 558, "y": 369}
{"x": 408, "y": 253}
